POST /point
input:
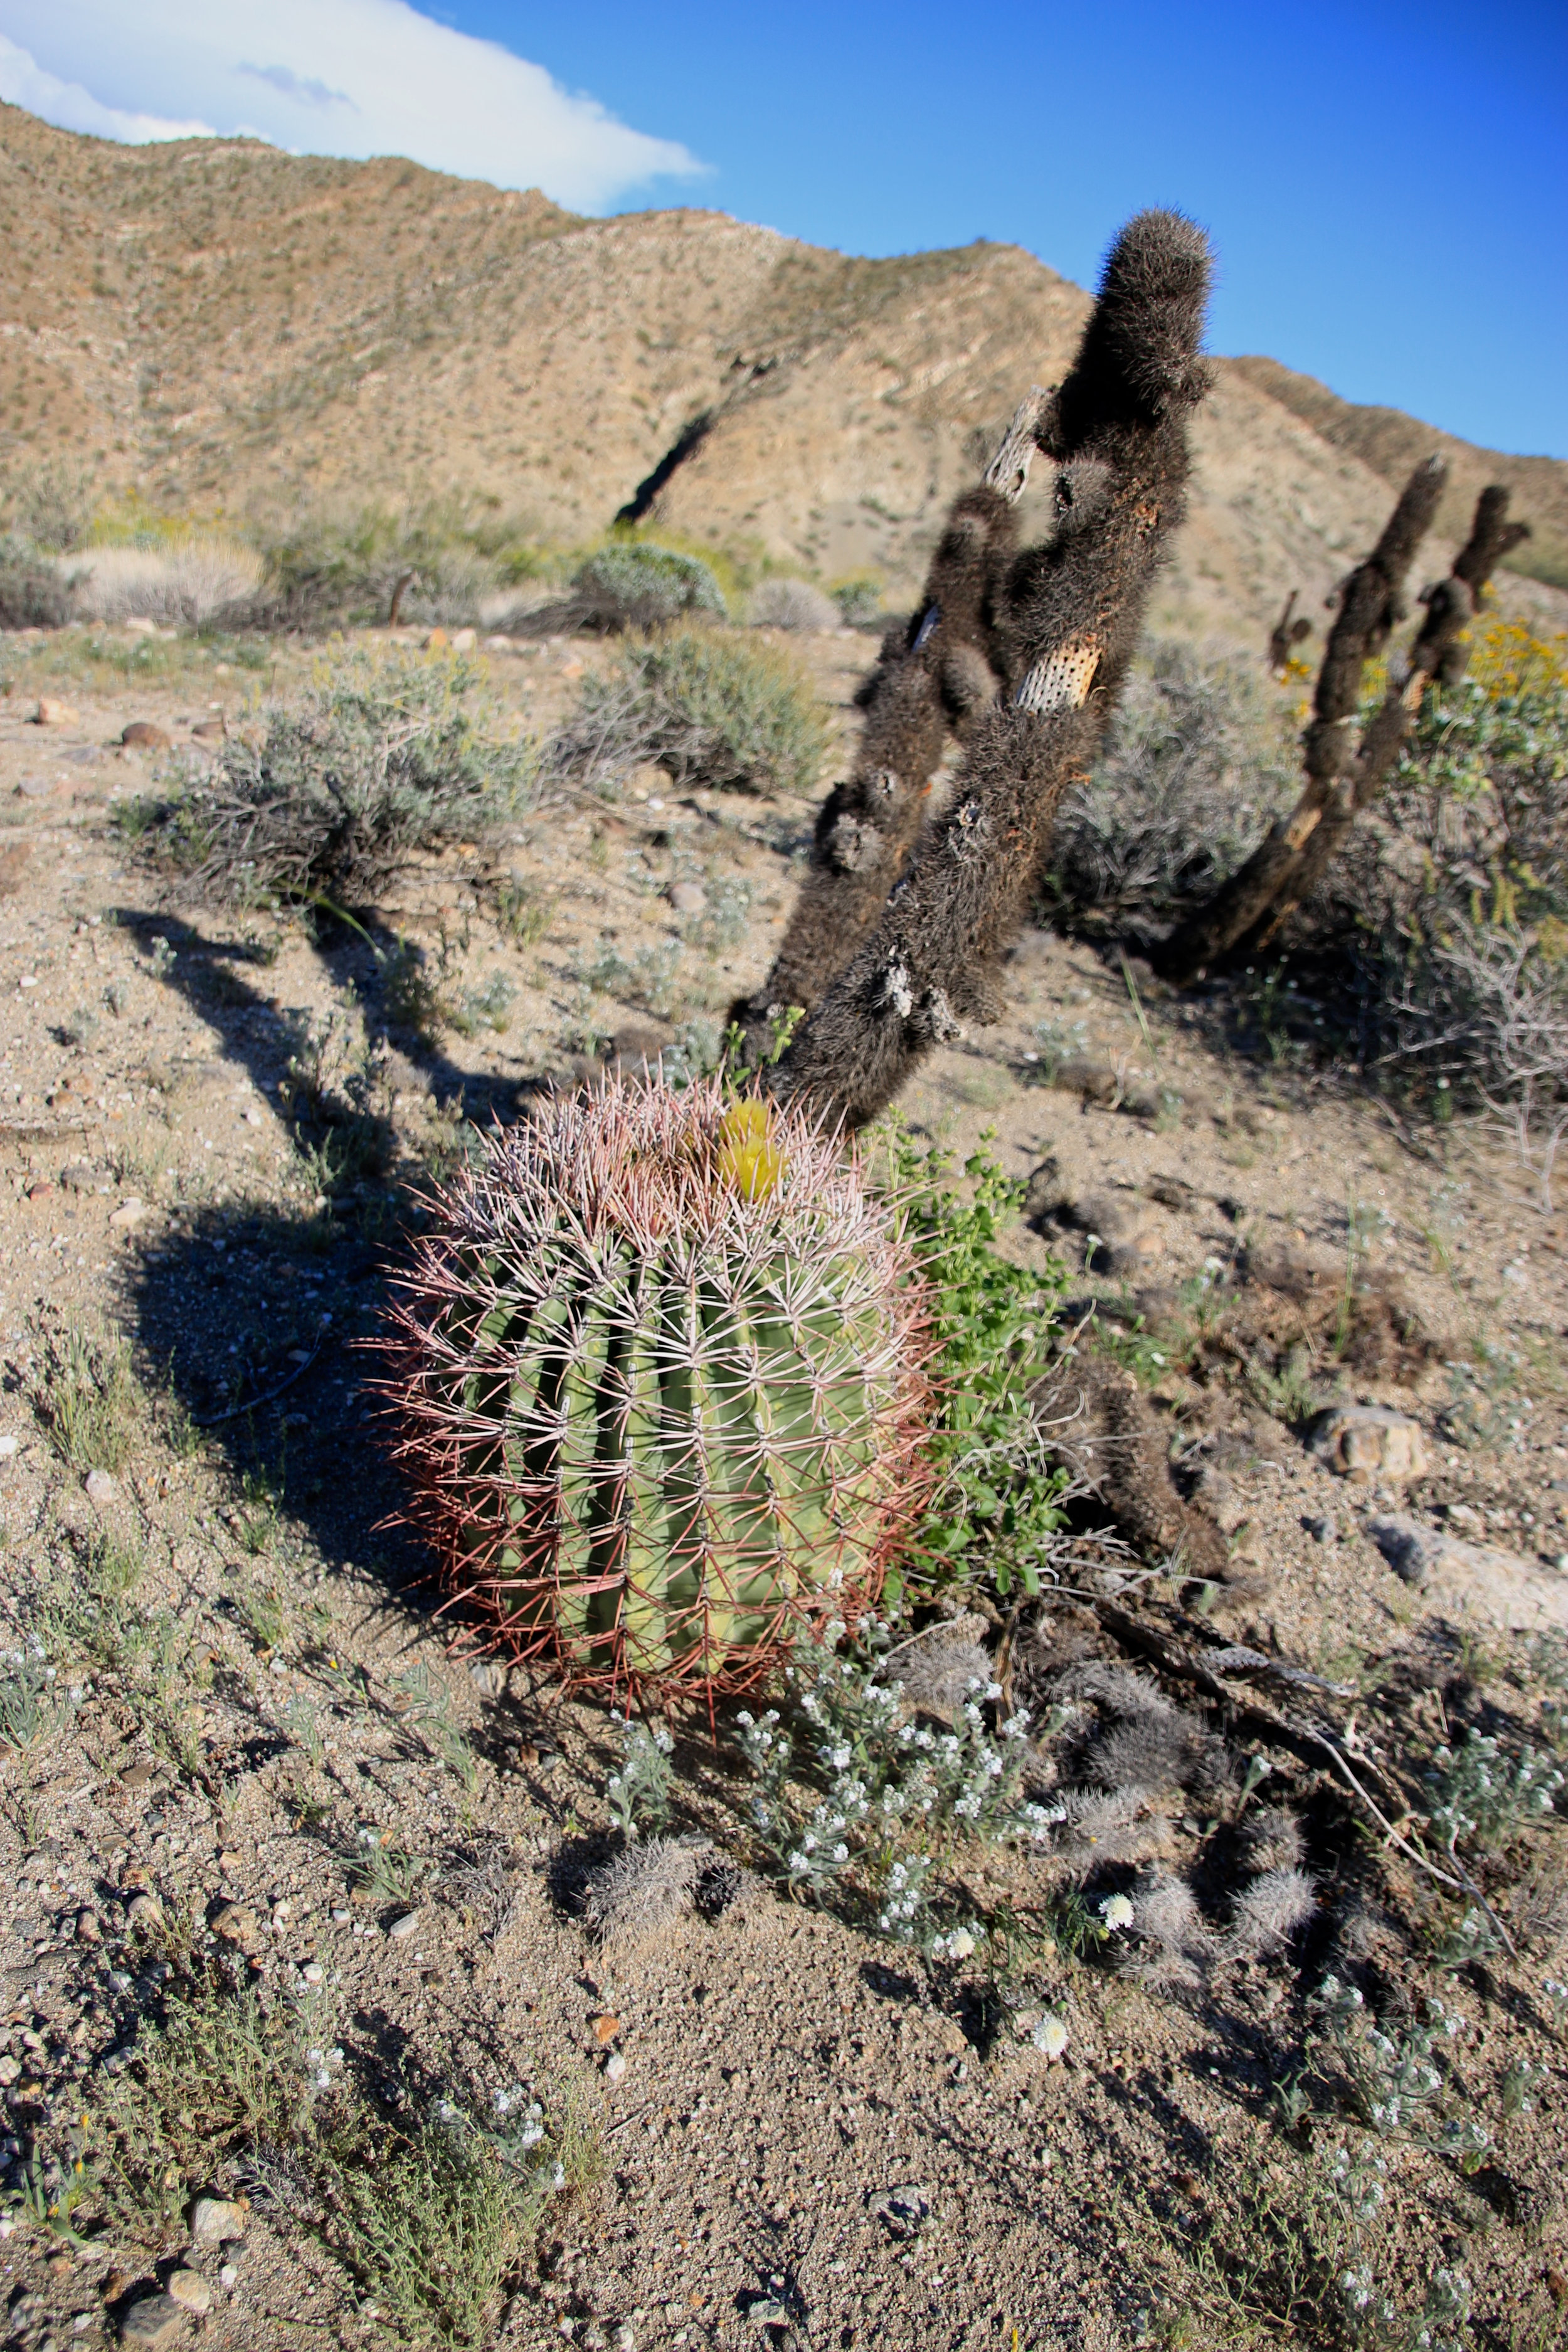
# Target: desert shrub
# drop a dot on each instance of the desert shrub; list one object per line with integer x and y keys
{"x": 634, "y": 584}
{"x": 389, "y": 753}
{"x": 1200, "y": 759}
{"x": 192, "y": 582}
{"x": 995, "y": 1504}
{"x": 1452, "y": 897}
{"x": 710, "y": 707}
{"x": 791, "y": 605}
{"x": 458, "y": 563}
{"x": 860, "y": 600}
{"x": 33, "y": 595}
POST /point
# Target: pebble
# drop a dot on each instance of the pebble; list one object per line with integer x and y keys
{"x": 489, "y": 1677}
{"x": 401, "y": 1929}
{"x": 614, "y": 2066}
{"x": 605, "y": 2028}
{"x": 101, "y": 1486}
{"x": 130, "y": 1212}
{"x": 342, "y": 1914}
{"x": 145, "y": 1911}
{"x": 1321, "y": 1529}
{"x": 139, "y": 1773}
{"x": 688, "y": 898}
{"x": 190, "y": 2292}
{"x": 313, "y": 1972}
{"x": 214, "y": 2220}
{"x": 88, "y": 1929}
{"x": 51, "y": 712}
{"x": 228, "y": 2277}
{"x": 156, "y": 2319}
{"x": 8, "y": 1445}
{"x": 235, "y": 1923}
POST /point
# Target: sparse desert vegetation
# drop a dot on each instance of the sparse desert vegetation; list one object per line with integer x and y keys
{"x": 1056, "y": 1837}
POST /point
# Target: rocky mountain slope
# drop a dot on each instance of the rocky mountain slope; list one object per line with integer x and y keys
{"x": 222, "y": 328}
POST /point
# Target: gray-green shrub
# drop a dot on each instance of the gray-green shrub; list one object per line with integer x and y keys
{"x": 389, "y": 753}
{"x": 710, "y": 708}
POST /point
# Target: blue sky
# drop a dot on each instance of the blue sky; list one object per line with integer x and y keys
{"x": 1386, "y": 184}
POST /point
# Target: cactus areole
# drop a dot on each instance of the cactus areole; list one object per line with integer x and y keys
{"x": 660, "y": 1386}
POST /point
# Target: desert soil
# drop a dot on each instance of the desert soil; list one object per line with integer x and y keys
{"x": 783, "y": 2069}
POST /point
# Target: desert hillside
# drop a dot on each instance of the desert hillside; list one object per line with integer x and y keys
{"x": 220, "y": 328}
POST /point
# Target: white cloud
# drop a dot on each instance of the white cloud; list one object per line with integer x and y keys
{"x": 353, "y": 78}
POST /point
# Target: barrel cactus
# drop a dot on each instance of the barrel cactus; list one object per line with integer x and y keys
{"x": 660, "y": 1386}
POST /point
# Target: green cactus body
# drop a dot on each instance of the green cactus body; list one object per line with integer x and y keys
{"x": 661, "y": 1384}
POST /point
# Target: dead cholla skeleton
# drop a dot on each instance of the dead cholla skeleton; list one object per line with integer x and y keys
{"x": 1346, "y": 775}
{"x": 660, "y": 1386}
{"x": 1055, "y": 628}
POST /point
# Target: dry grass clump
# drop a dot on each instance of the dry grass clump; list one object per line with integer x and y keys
{"x": 191, "y": 582}
{"x": 791, "y": 605}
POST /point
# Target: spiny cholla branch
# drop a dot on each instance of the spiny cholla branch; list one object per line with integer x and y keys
{"x": 1067, "y": 619}
{"x": 933, "y": 677}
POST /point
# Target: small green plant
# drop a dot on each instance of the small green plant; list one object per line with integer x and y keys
{"x": 521, "y": 912}
{"x": 427, "y": 1704}
{"x": 1392, "y": 2079}
{"x": 995, "y": 1508}
{"x": 88, "y": 1395}
{"x": 384, "y": 1871}
{"x": 304, "y": 1729}
{"x": 485, "y": 1005}
{"x": 638, "y": 1793}
{"x": 29, "y": 1703}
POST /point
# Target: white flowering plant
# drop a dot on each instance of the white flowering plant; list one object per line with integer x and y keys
{"x": 639, "y": 1790}
{"x": 889, "y": 1793}
{"x": 1484, "y": 1797}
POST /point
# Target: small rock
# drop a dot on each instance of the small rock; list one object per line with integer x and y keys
{"x": 235, "y": 1924}
{"x": 1471, "y": 1581}
{"x": 401, "y": 1929}
{"x": 904, "y": 2211}
{"x": 436, "y": 641}
{"x": 9, "y": 2069}
{"x": 8, "y": 1445}
{"x": 614, "y": 2066}
{"x": 128, "y": 1214}
{"x": 140, "y": 1773}
{"x": 101, "y": 1486}
{"x": 464, "y": 640}
{"x": 190, "y": 2292}
{"x": 605, "y": 2028}
{"x": 139, "y": 625}
{"x": 215, "y": 2221}
{"x": 489, "y": 1676}
{"x": 78, "y": 1176}
{"x": 40, "y": 1192}
{"x": 145, "y": 1911}
{"x": 88, "y": 1929}
{"x": 53, "y": 713}
{"x": 145, "y": 735}
{"x": 1095, "y": 1081}
{"x": 313, "y": 1972}
{"x": 688, "y": 898}
{"x": 156, "y": 2319}
{"x": 229, "y": 2277}
{"x": 211, "y": 731}
{"x": 1367, "y": 1441}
